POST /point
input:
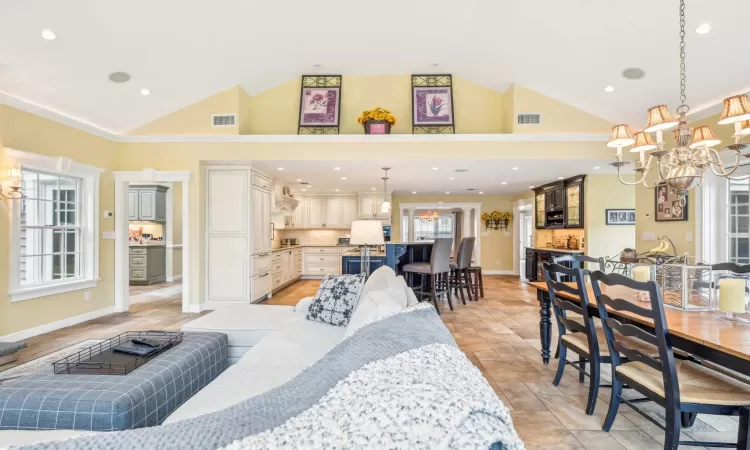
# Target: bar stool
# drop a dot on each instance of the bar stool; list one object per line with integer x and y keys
{"x": 439, "y": 266}
{"x": 477, "y": 281}
{"x": 460, "y": 269}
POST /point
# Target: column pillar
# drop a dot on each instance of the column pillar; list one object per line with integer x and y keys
{"x": 410, "y": 225}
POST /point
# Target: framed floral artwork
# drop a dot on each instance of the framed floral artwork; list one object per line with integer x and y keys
{"x": 320, "y": 104}
{"x": 432, "y": 104}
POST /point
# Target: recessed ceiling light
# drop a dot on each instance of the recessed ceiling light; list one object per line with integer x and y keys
{"x": 48, "y": 34}
{"x": 531, "y": 187}
{"x": 435, "y": 64}
{"x": 480, "y": 192}
{"x": 317, "y": 66}
{"x": 633, "y": 73}
{"x": 119, "y": 77}
{"x": 337, "y": 168}
{"x": 504, "y": 182}
{"x": 372, "y": 189}
{"x": 560, "y": 178}
{"x": 304, "y": 190}
{"x": 703, "y": 28}
{"x": 514, "y": 168}
{"x": 413, "y": 192}
{"x": 461, "y": 170}
{"x": 434, "y": 168}
{"x": 609, "y": 88}
{"x": 451, "y": 178}
{"x": 299, "y": 180}
{"x": 145, "y": 92}
{"x": 309, "y": 185}
{"x": 597, "y": 167}
{"x": 447, "y": 192}
{"x": 336, "y": 190}
{"x": 280, "y": 168}
{"x": 343, "y": 178}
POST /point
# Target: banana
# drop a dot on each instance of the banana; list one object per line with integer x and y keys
{"x": 666, "y": 246}
{"x": 662, "y": 247}
{"x": 657, "y": 248}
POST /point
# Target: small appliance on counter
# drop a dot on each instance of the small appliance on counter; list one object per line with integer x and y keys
{"x": 293, "y": 241}
{"x": 289, "y": 242}
{"x": 344, "y": 241}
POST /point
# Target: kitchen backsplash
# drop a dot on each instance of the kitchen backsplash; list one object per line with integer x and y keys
{"x": 154, "y": 229}
{"x": 547, "y": 238}
{"x": 310, "y": 237}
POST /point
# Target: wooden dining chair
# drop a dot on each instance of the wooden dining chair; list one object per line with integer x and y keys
{"x": 580, "y": 337}
{"x": 681, "y": 386}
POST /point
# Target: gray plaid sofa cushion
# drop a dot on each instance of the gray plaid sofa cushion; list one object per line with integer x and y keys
{"x": 142, "y": 398}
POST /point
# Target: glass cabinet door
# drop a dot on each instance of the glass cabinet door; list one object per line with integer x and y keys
{"x": 573, "y": 201}
{"x": 540, "y": 210}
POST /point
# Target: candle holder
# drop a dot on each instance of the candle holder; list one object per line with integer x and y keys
{"x": 730, "y": 317}
{"x": 731, "y": 300}
{"x": 686, "y": 283}
{"x": 642, "y": 273}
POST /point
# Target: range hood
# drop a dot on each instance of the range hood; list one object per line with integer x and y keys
{"x": 284, "y": 205}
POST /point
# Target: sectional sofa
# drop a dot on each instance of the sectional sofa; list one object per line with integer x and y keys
{"x": 392, "y": 377}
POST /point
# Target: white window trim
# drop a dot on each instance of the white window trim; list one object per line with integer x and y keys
{"x": 89, "y": 220}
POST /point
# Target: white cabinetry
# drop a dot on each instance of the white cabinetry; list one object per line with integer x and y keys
{"x": 333, "y": 213}
{"x": 261, "y": 214}
{"x": 369, "y": 207}
{"x": 300, "y": 214}
{"x": 348, "y": 211}
{"x": 316, "y": 212}
{"x": 322, "y": 261}
{"x": 228, "y": 235}
{"x": 286, "y": 268}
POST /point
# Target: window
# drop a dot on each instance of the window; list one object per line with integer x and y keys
{"x": 428, "y": 230}
{"x": 738, "y": 215}
{"x": 53, "y": 244}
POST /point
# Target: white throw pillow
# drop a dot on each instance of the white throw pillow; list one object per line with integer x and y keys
{"x": 397, "y": 290}
{"x": 411, "y": 297}
{"x": 372, "y": 307}
{"x": 377, "y": 280}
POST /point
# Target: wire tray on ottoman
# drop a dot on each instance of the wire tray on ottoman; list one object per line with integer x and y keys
{"x": 142, "y": 398}
{"x": 102, "y": 359}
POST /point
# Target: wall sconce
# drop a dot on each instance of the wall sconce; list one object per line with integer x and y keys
{"x": 12, "y": 184}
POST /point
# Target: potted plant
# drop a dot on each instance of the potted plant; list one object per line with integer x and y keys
{"x": 377, "y": 121}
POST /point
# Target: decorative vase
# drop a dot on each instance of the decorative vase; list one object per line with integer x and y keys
{"x": 377, "y": 127}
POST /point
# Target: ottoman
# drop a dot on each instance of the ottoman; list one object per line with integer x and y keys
{"x": 142, "y": 398}
{"x": 244, "y": 325}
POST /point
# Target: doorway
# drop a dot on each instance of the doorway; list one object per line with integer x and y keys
{"x": 156, "y": 216}
{"x": 523, "y": 233}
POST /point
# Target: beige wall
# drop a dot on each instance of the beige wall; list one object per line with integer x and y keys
{"x": 557, "y": 117}
{"x": 604, "y": 192}
{"x": 497, "y": 247}
{"x": 26, "y": 132}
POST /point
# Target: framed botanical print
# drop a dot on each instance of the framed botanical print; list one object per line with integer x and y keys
{"x": 320, "y": 104}
{"x": 620, "y": 216}
{"x": 668, "y": 205}
{"x": 432, "y": 104}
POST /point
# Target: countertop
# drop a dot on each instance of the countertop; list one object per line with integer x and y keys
{"x": 155, "y": 244}
{"x": 557, "y": 250}
{"x": 410, "y": 243}
{"x": 290, "y": 247}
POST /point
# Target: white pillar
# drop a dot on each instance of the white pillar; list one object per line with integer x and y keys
{"x": 410, "y": 225}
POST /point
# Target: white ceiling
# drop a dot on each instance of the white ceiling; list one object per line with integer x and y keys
{"x": 405, "y": 177}
{"x": 186, "y": 50}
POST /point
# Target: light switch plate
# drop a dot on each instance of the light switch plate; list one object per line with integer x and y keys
{"x": 648, "y": 236}
{"x": 108, "y": 214}
{"x": 689, "y": 236}
{"x": 109, "y": 235}
{"x": 506, "y": 233}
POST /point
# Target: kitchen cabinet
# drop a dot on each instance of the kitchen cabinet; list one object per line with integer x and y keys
{"x": 530, "y": 264}
{"x": 261, "y": 286}
{"x": 297, "y": 220}
{"x": 148, "y": 264}
{"x": 369, "y": 207}
{"x": 536, "y": 257}
{"x": 147, "y": 203}
{"x": 352, "y": 265}
{"x": 349, "y": 214}
{"x": 316, "y": 212}
{"x": 333, "y": 213}
{"x": 261, "y": 218}
{"x": 321, "y": 261}
{"x": 560, "y": 204}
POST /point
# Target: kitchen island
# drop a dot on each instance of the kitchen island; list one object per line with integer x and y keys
{"x": 536, "y": 256}
{"x": 398, "y": 254}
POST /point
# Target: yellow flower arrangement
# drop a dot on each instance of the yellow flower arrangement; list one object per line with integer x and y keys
{"x": 506, "y": 215}
{"x": 486, "y": 216}
{"x": 495, "y": 215}
{"x": 377, "y": 114}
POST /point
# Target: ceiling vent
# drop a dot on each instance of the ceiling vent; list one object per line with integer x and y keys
{"x": 528, "y": 119}
{"x": 224, "y": 120}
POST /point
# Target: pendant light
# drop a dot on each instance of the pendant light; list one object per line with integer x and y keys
{"x": 385, "y": 207}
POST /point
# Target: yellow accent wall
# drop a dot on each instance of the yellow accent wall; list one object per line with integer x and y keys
{"x": 195, "y": 119}
{"x": 557, "y": 117}
{"x": 497, "y": 248}
{"x": 604, "y": 192}
{"x": 27, "y": 132}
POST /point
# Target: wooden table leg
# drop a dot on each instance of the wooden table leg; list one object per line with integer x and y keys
{"x": 545, "y": 323}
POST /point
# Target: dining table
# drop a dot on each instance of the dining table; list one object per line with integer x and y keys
{"x": 723, "y": 343}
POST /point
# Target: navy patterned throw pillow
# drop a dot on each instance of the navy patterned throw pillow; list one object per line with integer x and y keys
{"x": 336, "y": 299}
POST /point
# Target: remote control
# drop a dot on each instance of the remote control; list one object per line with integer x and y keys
{"x": 142, "y": 351}
{"x": 144, "y": 341}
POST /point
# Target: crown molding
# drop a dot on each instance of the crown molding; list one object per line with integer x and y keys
{"x": 713, "y": 108}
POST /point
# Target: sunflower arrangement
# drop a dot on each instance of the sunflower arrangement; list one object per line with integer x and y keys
{"x": 496, "y": 220}
{"x": 377, "y": 114}
{"x": 486, "y": 216}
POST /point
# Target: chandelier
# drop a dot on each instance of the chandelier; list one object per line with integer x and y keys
{"x": 429, "y": 216}
{"x": 682, "y": 167}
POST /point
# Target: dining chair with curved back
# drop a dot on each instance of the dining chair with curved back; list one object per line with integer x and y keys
{"x": 682, "y": 386}
{"x": 579, "y": 261}
{"x": 461, "y": 278}
{"x": 438, "y": 267}
{"x": 578, "y": 337}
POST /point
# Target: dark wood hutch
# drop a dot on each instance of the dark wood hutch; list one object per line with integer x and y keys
{"x": 560, "y": 204}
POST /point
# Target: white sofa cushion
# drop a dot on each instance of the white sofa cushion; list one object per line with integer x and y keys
{"x": 373, "y": 306}
{"x": 377, "y": 280}
{"x": 245, "y": 325}
{"x": 274, "y": 361}
{"x": 303, "y": 306}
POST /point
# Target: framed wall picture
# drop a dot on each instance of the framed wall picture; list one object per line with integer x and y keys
{"x": 432, "y": 104}
{"x": 668, "y": 206}
{"x": 320, "y": 104}
{"x": 620, "y": 216}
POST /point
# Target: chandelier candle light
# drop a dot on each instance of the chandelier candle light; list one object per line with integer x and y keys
{"x": 683, "y": 167}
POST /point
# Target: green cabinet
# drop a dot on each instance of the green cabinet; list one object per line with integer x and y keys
{"x": 148, "y": 264}
{"x": 147, "y": 203}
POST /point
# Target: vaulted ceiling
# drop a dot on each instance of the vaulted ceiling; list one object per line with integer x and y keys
{"x": 186, "y": 50}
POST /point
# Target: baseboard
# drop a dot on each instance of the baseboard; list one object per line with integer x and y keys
{"x": 195, "y": 308}
{"x": 498, "y": 272}
{"x": 53, "y": 326}
{"x": 312, "y": 277}
{"x": 174, "y": 278}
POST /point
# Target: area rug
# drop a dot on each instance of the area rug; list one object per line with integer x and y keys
{"x": 44, "y": 363}
{"x": 159, "y": 294}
